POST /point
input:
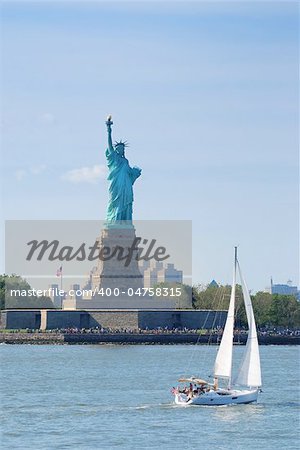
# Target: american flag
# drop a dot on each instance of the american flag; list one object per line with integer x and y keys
{"x": 59, "y": 272}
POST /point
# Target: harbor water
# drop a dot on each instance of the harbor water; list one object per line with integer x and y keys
{"x": 118, "y": 397}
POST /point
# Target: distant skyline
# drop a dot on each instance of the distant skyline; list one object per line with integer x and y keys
{"x": 205, "y": 93}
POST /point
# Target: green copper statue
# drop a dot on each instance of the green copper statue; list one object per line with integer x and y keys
{"x": 121, "y": 177}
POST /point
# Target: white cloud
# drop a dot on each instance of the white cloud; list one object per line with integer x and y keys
{"x": 85, "y": 174}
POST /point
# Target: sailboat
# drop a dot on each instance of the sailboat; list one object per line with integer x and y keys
{"x": 245, "y": 386}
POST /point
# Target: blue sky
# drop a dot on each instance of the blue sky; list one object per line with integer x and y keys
{"x": 206, "y": 94}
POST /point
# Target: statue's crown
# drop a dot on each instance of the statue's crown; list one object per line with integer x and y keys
{"x": 125, "y": 143}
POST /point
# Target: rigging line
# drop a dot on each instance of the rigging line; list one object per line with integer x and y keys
{"x": 197, "y": 342}
{"x": 219, "y": 292}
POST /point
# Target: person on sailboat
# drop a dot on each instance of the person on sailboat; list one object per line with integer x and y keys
{"x": 201, "y": 389}
{"x": 190, "y": 396}
{"x": 191, "y": 391}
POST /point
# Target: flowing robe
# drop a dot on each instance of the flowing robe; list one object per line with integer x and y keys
{"x": 121, "y": 177}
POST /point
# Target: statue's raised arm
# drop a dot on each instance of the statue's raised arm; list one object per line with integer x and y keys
{"x": 109, "y": 123}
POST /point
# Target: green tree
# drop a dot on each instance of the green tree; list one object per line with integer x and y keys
{"x": 184, "y": 300}
{"x": 217, "y": 298}
{"x": 13, "y": 300}
{"x": 213, "y": 297}
{"x": 262, "y": 302}
{"x": 269, "y": 310}
{"x": 285, "y": 311}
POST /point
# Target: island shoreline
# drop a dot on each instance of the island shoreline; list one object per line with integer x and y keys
{"x": 60, "y": 338}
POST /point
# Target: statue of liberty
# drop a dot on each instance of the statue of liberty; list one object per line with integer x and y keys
{"x": 121, "y": 177}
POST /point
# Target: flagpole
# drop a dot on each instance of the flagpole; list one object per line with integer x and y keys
{"x": 61, "y": 288}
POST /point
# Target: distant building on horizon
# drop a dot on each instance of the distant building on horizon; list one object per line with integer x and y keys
{"x": 54, "y": 295}
{"x": 285, "y": 289}
{"x": 158, "y": 273}
{"x": 213, "y": 283}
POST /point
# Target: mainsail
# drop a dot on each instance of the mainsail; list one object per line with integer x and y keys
{"x": 249, "y": 373}
{"x": 223, "y": 363}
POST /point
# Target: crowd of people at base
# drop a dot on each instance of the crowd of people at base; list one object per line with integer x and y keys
{"x": 274, "y": 331}
{"x": 279, "y": 332}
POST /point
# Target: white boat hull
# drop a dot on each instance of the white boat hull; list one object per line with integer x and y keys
{"x": 219, "y": 397}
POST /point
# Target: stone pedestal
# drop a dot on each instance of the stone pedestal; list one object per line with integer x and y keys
{"x": 118, "y": 282}
{"x": 118, "y": 266}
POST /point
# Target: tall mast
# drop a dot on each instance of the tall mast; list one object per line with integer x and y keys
{"x": 233, "y": 292}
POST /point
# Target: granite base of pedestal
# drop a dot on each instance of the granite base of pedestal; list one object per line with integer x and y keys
{"x": 118, "y": 303}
